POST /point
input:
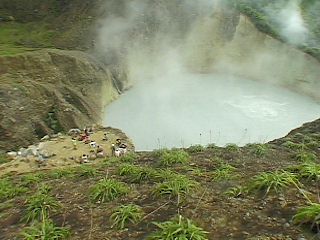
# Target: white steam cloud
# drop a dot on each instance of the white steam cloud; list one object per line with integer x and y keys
{"x": 290, "y": 20}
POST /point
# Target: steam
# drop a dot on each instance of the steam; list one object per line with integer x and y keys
{"x": 290, "y": 21}
{"x": 173, "y": 43}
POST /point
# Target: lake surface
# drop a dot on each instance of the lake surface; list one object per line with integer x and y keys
{"x": 200, "y": 109}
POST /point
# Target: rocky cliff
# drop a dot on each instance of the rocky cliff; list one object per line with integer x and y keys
{"x": 49, "y": 91}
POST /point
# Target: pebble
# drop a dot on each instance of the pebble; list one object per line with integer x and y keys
{"x": 286, "y": 225}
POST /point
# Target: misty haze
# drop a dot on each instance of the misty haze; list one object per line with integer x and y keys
{"x": 201, "y": 74}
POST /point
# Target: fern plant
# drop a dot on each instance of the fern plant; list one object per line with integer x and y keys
{"x": 179, "y": 228}
{"x": 107, "y": 190}
{"x": 125, "y": 214}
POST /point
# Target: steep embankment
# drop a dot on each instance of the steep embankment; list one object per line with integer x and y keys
{"x": 49, "y": 91}
{"x": 230, "y": 42}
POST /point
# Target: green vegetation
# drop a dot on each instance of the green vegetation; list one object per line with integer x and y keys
{"x": 107, "y": 190}
{"x": 60, "y": 173}
{"x": 40, "y": 205}
{"x": 308, "y": 214}
{"x": 231, "y": 147}
{"x": 224, "y": 172}
{"x": 236, "y": 191}
{"x": 276, "y": 181}
{"x": 166, "y": 174}
{"x": 178, "y": 229}
{"x": 124, "y": 214}
{"x": 86, "y": 171}
{"x": 196, "y": 148}
{"x": 31, "y": 179}
{"x": 179, "y": 186}
{"x": 52, "y": 121}
{"x": 169, "y": 158}
{"x": 3, "y": 157}
{"x": 259, "y": 150}
{"x": 9, "y": 190}
{"x": 306, "y": 156}
{"x": 309, "y": 170}
{"x": 17, "y": 38}
{"x": 294, "y": 146}
{"x": 130, "y": 158}
{"x": 45, "y": 230}
{"x": 136, "y": 174}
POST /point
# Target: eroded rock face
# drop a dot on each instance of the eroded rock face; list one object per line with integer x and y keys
{"x": 49, "y": 91}
{"x": 243, "y": 50}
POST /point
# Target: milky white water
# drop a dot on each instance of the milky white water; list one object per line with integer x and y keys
{"x": 202, "y": 109}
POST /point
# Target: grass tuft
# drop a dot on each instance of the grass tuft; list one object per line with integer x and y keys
{"x": 196, "y": 148}
{"x": 136, "y": 174}
{"x": 9, "y": 190}
{"x": 308, "y": 214}
{"x": 179, "y": 186}
{"x": 231, "y": 147}
{"x": 179, "y": 228}
{"x": 45, "y": 231}
{"x": 125, "y": 214}
{"x": 40, "y": 205}
{"x": 107, "y": 190}
{"x": 273, "y": 181}
{"x": 224, "y": 172}
{"x": 306, "y": 156}
{"x": 169, "y": 158}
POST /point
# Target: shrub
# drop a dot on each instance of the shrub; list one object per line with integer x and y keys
{"x": 306, "y": 156}
{"x": 174, "y": 157}
{"x": 8, "y": 190}
{"x": 126, "y": 213}
{"x": 308, "y": 214}
{"x": 39, "y": 206}
{"x": 224, "y": 172}
{"x": 273, "y": 181}
{"x": 179, "y": 228}
{"x": 107, "y": 190}
{"x": 45, "y": 231}
{"x": 177, "y": 187}
{"x": 196, "y": 148}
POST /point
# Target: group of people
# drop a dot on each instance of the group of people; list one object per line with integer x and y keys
{"x": 118, "y": 148}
